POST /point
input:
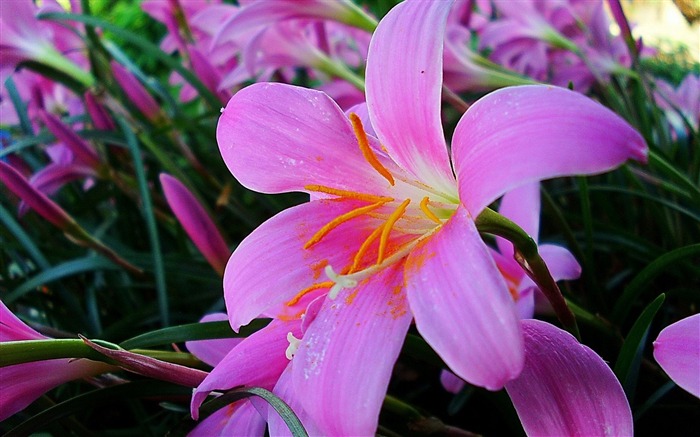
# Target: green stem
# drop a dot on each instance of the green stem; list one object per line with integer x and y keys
{"x": 527, "y": 255}
{"x": 328, "y": 66}
{"x": 56, "y": 60}
{"x": 356, "y": 17}
{"x": 26, "y": 351}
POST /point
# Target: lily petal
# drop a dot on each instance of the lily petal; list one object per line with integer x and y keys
{"x": 24, "y": 383}
{"x": 462, "y": 305}
{"x": 560, "y": 262}
{"x": 359, "y": 334}
{"x": 522, "y": 206}
{"x": 277, "y": 138}
{"x": 13, "y": 329}
{"x": 565, "y": 388}
{"x": 404, "y": 91}
{"x": 240, "y": 418}
{"x": 276, "y": 247}
{"x": 285, "y": 390}
{"x": 258, "y": 360}
{"x": 677, "y": 350}
{"x": 534, "y": 132}
{"x": 212, "y": 351}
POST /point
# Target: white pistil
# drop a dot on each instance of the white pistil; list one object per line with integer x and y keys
{"x": 340, "y": 282}
{"x": 293, "y": 346}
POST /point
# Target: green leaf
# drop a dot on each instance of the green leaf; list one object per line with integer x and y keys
{"x": 24, "y": 239}
{"x": 192, "y": 331}
{"x": 149, "y": 217}
{"x": 630, "y": 357}
{"x": 18, "y": 145}
{"x": 20, "y": 107}
{"x": 644, "y": 278}
{"x": 286, "y": 413}
{"x": 148, "y": 48}
{"x": 68, "y": 268}
{"x": 97, "y": 398}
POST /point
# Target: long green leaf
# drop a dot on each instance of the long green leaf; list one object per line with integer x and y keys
{"x": 286, "y": 413}
{"x": 97, "y": 398}
{"x": 20, "y": 107}
{"x": 192, "y": 331}
{"x": 68, "y": 268}
{"x": 149, "y": 217}
{"x": 24, "y": 239}
{"x": 630, "y": 357}
{"x": 148, "y": 49}
{"x": 645, "y": 277}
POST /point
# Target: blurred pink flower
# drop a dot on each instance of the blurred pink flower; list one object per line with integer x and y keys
{"x": 394, "y": 219}
{"x": 24, "y": 38}
{"x": 682, "y": 104}
{"x": 677, "y": 350}
{"x": 136, "y": 92}
{"x": 196, "y": 222}
{"x": 23, "y": 383}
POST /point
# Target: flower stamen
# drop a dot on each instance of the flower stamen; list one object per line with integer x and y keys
{"x": 386, "y": 230}
{"x": 340, "y": 282}
{"x": 364, "y": 247}
{"x": 318, "y": 236}
{"x": 367, "y": 150}
{"x": 297, "y": 297}
{"x": 348, "y": 194}
{"x": 293, "y": 346}
{"x": 427, "y": 211}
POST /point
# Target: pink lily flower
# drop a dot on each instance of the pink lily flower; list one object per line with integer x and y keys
{"x": 24, "y": 383}
{"x": 391, "y": 226}
{"x": 677, "y": 350}
{"x": 196, "y": 222}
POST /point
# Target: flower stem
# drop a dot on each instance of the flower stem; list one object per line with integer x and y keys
{"x": 527, "y": 255}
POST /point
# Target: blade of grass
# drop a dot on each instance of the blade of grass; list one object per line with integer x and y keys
{"x": 20, "y": 107}
{"x": 644, "y": 278}
{"x": 60, "y": 271}
{"x": 149, "y": 217}
{"x": 192, "y": 331}
{"x": 286, "y": 413}
{"x": 630, "y": 357}
{"x": 24, "y": 239}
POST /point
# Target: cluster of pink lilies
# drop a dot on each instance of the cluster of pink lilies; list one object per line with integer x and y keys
{"x": 391, "y": 237}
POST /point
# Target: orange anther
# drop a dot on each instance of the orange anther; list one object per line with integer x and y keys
{"x": 363, "y": 248}
{"x": 340, "y": 220}
{"x": 347, "y": 194}
{"x": 367, "y": 150}
{"x": 427, "y": 211}
{"x": 393, "y": 218}
{"x": 307, "y": 290}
